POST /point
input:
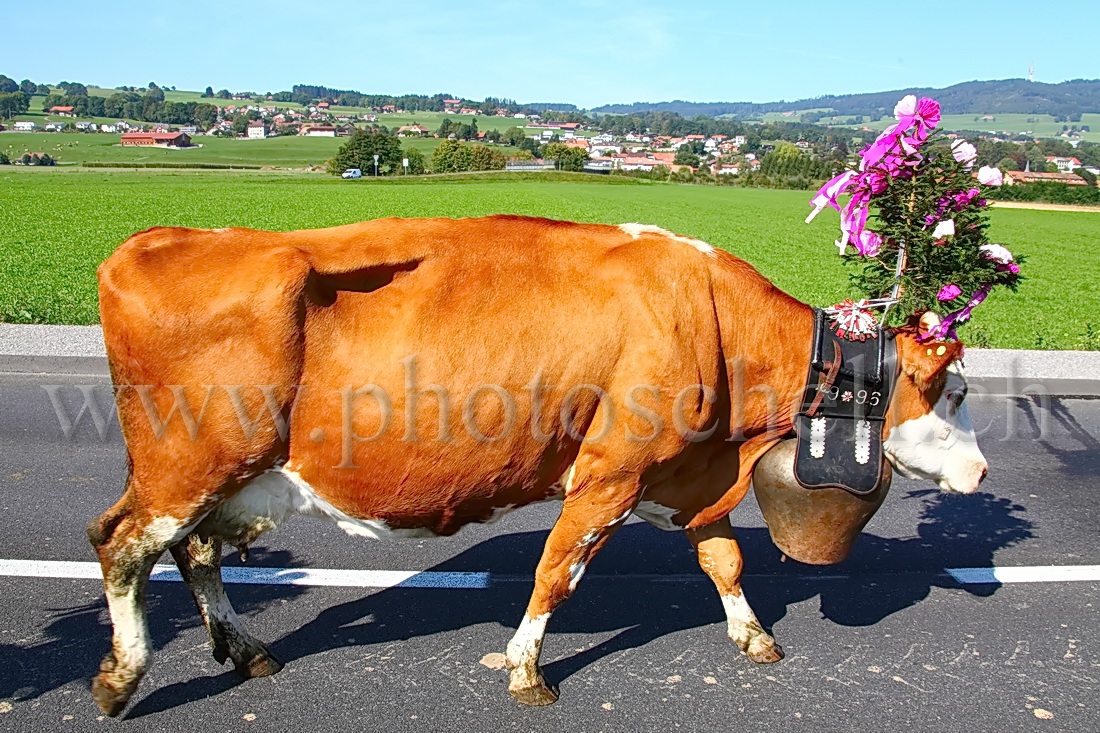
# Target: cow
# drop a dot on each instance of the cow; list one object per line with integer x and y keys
{"x": 406, "y": 377}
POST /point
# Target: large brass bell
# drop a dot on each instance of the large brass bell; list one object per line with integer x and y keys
{"x": 814, "y": 526}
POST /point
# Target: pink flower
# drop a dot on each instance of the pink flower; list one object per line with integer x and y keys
{"x": 949, "y": 292}
{"x": 928, "y": 111}
{"x": 964, "y": 152}
{"x": 963, "y": 198}
{"x": 990, "y": 176}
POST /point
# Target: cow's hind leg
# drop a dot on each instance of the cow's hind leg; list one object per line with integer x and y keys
{"x": 590, "y": 515}
{"x": 128, "y": 543}
{"x": 720, "y": 558}
{"x": 199, "y": 561}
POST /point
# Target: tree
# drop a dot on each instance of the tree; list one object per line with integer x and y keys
{"x": 360, "y": 149}
{"x": 417, "y": 163}
{"x": 13, "y": 103}
{"x": 155, "y": 94}
{"x": 568, "y": 158}
{"x": 4, "y": 159}
{"x": 73, "y": 89}
{"x": 208, "y": 93}
{"x": 224, "y": 94}
{"x": 42, "y": 89}
{"x": 451, "y": 156}
{"x": 484, "y": 158}
{"x": 1090, "y": 177}
{"x": 7, "y": 85}
{"x": 685, "y": 156}
{"x": 28, "y": 87}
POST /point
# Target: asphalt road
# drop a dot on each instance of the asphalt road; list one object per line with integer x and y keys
{"x": 883, "y": 642}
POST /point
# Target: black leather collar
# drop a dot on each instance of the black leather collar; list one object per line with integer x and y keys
{"x": 839, "y": 424}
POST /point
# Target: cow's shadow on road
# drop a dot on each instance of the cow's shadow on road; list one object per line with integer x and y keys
{"x": 883, "y": 576}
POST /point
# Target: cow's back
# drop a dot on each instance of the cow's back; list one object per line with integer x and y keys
{"x": 503, "y": 319}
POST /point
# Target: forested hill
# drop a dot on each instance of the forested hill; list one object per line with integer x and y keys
{"x": 972, "y": 97}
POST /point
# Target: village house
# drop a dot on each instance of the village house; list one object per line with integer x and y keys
{"x": 318, "y": 130}
{"x": 1013, "y": 178}
{"x": 452, "y": 105}
{"x": 23, "y": 126}
{"x": 257, "y": 130}
{"x": 412, "y": 131}
{"x": 1065, "y": 165}
{"x": 156, "y": 139}
{"x": 62, "y": 111}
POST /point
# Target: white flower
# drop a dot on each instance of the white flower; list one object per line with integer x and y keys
{"x": 990, "y": 176}
{"x": 997, "y": 252}
{"x": 907, "y": 106}
{"x": 964, "y": 152}
{"x": 944, "y": 229}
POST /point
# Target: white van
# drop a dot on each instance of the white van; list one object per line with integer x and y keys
{"x": 352, "y": 173}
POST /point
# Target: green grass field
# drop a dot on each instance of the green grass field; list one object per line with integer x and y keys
{"x": 1004, "y": 124}
{"x": 60, "y": 224}
{"x": 289, "y": 151}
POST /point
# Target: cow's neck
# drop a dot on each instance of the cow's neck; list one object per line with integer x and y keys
{"x": 766, "y": 340}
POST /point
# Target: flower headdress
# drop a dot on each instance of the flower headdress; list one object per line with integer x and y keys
{"x": 916, "y": 219}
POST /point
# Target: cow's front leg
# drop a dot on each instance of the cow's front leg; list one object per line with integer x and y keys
{"x": 588, "y": 519}
{"x": 199, "y": 562}
{"x": 720, "y": 558}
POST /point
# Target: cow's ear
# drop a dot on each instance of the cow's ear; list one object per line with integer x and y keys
{"x": 926, "y": 361}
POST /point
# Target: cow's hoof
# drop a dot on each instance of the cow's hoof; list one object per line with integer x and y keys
{"x": 535, "y": 695}
{"x": 111, "y": 698}
{"x": 764, "y": 650}
{"x": 262, "y": 664}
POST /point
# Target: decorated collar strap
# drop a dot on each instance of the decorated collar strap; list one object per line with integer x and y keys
{"x": 839, "y": 423}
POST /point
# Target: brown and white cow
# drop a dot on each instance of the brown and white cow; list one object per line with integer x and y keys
{"x": 408, "y": 377}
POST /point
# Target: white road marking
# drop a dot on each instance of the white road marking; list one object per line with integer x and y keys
{"x": 262, "y": 576}
{"x": 442, "y": 579}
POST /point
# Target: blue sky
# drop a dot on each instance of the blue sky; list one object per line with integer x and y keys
{"x": 585, "y": 52}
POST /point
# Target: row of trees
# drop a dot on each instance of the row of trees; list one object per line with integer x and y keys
{"x": 28, "y": 87}
{"x": 451, "y": 156}
{"x": 29, "y": 159}
{"x": 1032, "y": 154}
{"x": 362, "y": 147}
{"x": 789, "y": 161}
{"x": 149, "y": 107}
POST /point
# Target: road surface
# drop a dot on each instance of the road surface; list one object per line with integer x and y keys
{"x": 888, "y": 640}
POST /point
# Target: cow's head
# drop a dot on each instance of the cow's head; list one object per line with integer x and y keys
{"x": 928, "y": 430}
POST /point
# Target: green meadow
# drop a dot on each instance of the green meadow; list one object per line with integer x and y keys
{"x": 59, "y": 224}
{"x": 1003, "y": 124}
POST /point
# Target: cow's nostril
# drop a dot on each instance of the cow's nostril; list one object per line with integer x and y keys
{"x": 985, "y": 472}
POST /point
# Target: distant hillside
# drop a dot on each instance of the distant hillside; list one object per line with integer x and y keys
{"x": 972, "y": 97}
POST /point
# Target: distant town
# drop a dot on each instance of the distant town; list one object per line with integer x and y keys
{"x": 782, "y": 149}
